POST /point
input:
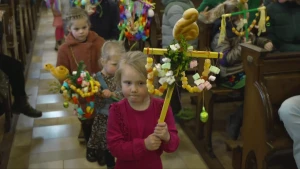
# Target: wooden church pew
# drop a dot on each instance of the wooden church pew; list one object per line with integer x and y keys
{"x": 26, "y": 26}
{"x": 271, "y": 79}
{"x": 20, "y": 25}
{"x": 34, "y": 14}
{"x": 31, "y": 24}
{"x": 10, "y": 31}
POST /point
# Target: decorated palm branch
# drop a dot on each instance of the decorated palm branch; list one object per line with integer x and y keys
{"x": 260, "y": 17}
{"x": 90, "y": 6}
{"x": 78, "y": 88}
{"x": 177, "y": 59}
{"x": 135, "y": 19}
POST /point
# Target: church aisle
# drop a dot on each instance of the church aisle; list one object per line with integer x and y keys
{"x": 51, "y": 141}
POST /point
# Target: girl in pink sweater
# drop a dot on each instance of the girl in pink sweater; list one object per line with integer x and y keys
{"x": 57, "y": 23}
{"x": 133, "y": 135}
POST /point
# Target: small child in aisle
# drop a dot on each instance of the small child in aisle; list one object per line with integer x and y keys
{"x": 81, "y": 44}
{"x": 57, "y": 22}
{"x": 134, "y": 135}
{"x": 96, "y": 147}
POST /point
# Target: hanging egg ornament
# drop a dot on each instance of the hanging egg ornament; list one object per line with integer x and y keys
{"x": 204, "y": 115}
{"x": 83, "y": 2}
{"x": 150, "y": 13}
{"x": 66, "y": 104}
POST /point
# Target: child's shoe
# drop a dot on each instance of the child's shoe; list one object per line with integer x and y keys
{"x": 81, "y": 138}
{"x": 91, "y": 155}
{"x": 100, "y": 158}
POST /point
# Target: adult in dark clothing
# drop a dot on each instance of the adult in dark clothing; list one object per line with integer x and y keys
{"x": 14, "y": 71}
{"x": 106, "y": 19}
{"x": 283, "y": 27}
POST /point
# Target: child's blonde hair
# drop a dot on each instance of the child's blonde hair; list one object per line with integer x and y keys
{"x": 112, "y": 48}
{"x": 137, "y": 60}
{"x": 76, "y": 13}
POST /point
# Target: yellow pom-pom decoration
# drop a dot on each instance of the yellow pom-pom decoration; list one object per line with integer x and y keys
{"x": 149, "y": 60}
{"x": 149, "y": 81}
{"x": 151, "y": 91}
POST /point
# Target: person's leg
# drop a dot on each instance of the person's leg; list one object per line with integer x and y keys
{"x": 59, "y": 35}
{"x": 93, "y": 142}
{"x": 87, "y": 128}
{"x": 235, "y": 123}
{"x": 289, "y": 113}
{"x": 109, "y": 159}
{"x": 14, "y": 70}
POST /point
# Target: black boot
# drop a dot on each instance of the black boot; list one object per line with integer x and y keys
{"x": 100, "y": 157}
{"x": 91, "y": 155}
{"x": 81, "y": 138}
{"x": 21, "y": 105}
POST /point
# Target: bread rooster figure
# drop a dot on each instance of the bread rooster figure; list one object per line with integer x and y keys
{"x": 187, "y": 25}
{"x": 59, "y": 72}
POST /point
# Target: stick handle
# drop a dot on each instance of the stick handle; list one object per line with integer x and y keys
{"x": 166, "y": 103}
{"x": 121, "y": 35}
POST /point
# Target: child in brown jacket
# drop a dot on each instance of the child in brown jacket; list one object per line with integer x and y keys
{"x": 81, "y": 44}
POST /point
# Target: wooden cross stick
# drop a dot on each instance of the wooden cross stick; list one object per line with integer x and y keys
{"x": 196, "y": 54}
{"x": 244, "y": 12}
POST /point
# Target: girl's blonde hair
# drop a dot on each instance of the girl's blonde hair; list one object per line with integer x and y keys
{"x": 137, "y": 60}
{"x": 76, "y": 13}
{"x": 112, "y": 48}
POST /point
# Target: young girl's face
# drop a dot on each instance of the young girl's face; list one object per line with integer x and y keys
{"x": 110, "y": 65}
{"x": 79, "y": 29}
{"x": 134, "y": 86}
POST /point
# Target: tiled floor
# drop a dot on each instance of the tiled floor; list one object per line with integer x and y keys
{"x": 51, "y": 141}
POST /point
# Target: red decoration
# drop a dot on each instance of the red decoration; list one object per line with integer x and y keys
{"x": 79, "y": 80}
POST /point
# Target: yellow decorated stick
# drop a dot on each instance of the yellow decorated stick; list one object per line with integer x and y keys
{"x": 164, "y": 110}
{"x": 194, "y": 54}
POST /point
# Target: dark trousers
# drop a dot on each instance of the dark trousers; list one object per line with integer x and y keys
{"x": 87, "y": 128}
{"x": 109, "y": 159}
{"x": 235, "y": 122}
{"x": 15, "y": 73}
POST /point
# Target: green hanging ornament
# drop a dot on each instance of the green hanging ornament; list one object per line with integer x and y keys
{"x": 203, "y": 115}
{"x": 66, "y": 104}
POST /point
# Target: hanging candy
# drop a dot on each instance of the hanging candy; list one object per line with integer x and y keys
{"x": 204, "y": 115}
{"x": 66, "y": 104}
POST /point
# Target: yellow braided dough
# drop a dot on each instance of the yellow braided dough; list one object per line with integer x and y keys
{"x": 59, "y": 72}
{"x": 187, "y": 25}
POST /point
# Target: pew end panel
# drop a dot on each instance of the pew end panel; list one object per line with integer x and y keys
{"x": 270, "y": 79}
